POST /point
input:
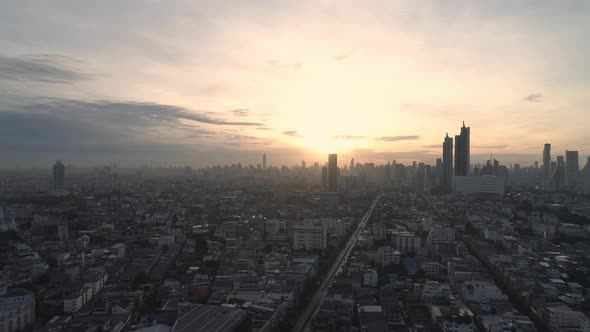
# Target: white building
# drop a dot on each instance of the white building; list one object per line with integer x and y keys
{"x": 486, "y": 184}
{"x": 460, "y": 322}
{"x": 560, "y": 317}
{"x": 405, "y": 241}
{"x": 370, "y": 278}
{"x": 17, "y": 309}
{"x": 481, "y": 291}
{"x": 433, "y": 289}
{"x": 310, "y": 235}
{"x": 388, "y": 255}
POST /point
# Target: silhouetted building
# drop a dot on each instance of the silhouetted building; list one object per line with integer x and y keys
{"x": 324, "y": 178}
{"x": 572, "y": 168}
{"x": 333, "y": 172}
{"x": 264, "y": 161}
{"x": 558, "y": 176}
{"x": 439, "y": 171}
{"x": 546, "y": 162}
{"x": 462, "y": 146}
{"x": 447, "y": 163}
{"x": 59, "y": 173}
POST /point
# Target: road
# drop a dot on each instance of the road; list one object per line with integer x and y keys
{"x": 304, "y": 321}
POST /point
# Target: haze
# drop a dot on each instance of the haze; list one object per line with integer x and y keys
{"x": 213, "y": 82}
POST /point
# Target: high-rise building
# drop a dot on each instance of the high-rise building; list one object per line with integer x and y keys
{"x": 439, "y": 171}
{"x": 572, "y": 167}
{"x": 447, "y": 163}
{"x": 264, "y": 161}
{"x": 351, "y": 167}
{"x": 303, "y": 164}
{"x": 558, "y": 176}
{"x": 59, "y": 173}
{"x": 462, "y": 148}
{"x": 546, "y": 162}
{"x": 324, "y": 178}
{"x": 333, "y": 172}
{"x": 586, "y": 177}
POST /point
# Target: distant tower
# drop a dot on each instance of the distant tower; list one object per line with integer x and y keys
{"x": 264, "y": 161}
{"x": 324, "y": 178}
{"x": 462, "y": 146}
{"x": 351, "y": 167}
{"x": 572, "y": 168}
{"x": 333, "y": 172}
{"x": 559, "y": 174}
{"x": 59, "y": 174}
{"x": 439, "y": 171}
{"x": 447, "y": 163}
{"x": 546, "y": 162}
{"x": 303, "y": 164}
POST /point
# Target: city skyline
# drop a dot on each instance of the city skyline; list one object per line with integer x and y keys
{"x": 241, "y": 80}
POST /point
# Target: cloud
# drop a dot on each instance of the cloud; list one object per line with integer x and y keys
{"x": 292, "y": 133}
{"x": 277, "y": 64}
{"x": 241, "y": 112}
{"x": 432, "y": 146}
{"x": 262, "y": 128}
{"x": 502, "y": 146}
{"x": 398, "y": 138}
{"x": 46, "y": 68}
{"x": 534, "y": 98}
{"x": 343, "y": 56}
{"x": 348, "y": 137}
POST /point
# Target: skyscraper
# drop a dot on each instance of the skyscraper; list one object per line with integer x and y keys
{"x": 324, "y": 178}
{"x": 546, "y": 162}
{"x": 572, "y": 167}
{"x": 447, "y": 163}
{"x": 462, "y": 146}
{"x": 59, "y": 173}
{"x": 351, "y": 167}
{"x": 558, "y": 176}
{"x": 333, "y": 172}
{"x": 264, "y": 161}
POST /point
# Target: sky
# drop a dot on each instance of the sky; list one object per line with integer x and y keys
{"x": 217, "y": 82}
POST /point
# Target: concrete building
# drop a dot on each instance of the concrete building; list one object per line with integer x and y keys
{"x": 405, "y": 241}
{"x": 310, "y": 235}
{"x": 379, "y": 231}
{"x": 388, "y": 255}
{"x": 546, "y": 163}
{"x": 17, "y": 309}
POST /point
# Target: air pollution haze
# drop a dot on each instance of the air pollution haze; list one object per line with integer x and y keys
{"x": 214, "y": 82}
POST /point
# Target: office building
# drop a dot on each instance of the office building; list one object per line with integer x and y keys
{"x": 447, "y": 163}
{"x": 310, "y": 235}
{"x": 546, "y": 163}
{"x": 324, "y": 178}
{"x": 462, "y": 148}
{"x": 59, "y": 176}
{"x": 264, "y": 161}
{"x": 333, "y": 172}
{"x": 572, "y": 168}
